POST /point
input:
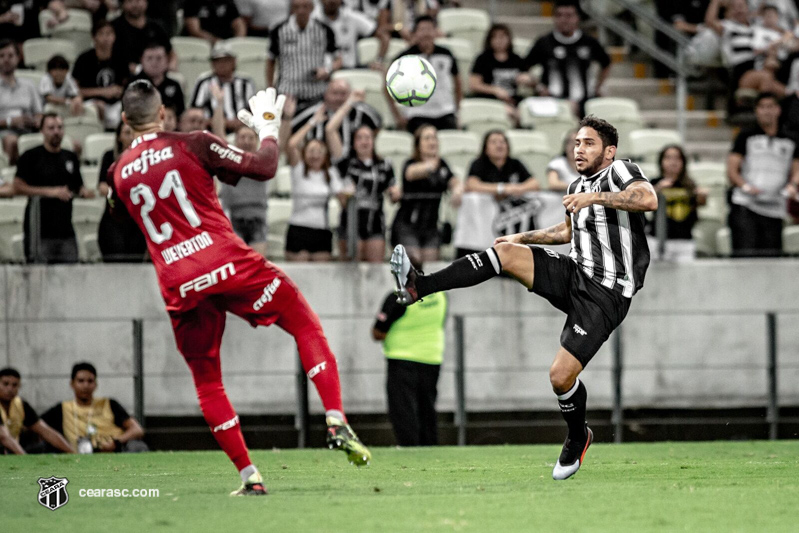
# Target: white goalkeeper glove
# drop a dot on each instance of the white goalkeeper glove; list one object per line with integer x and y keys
{"x": 267, "y": 110}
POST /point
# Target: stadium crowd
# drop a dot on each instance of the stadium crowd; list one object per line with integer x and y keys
{"x": 353, "y": 160}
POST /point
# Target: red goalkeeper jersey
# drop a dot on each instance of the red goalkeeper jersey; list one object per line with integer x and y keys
{"x": 165, "y": 180}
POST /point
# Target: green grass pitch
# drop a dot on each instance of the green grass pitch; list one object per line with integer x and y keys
{"x": 717, "y": 486}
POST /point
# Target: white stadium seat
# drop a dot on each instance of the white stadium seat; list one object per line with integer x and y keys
{"x": 86, "y": 215}
{"x": 469, "y": 24}
{"x": 396, "y": 146}
{"x": 459, "y": 148}
{"x": 646, "y": 145}
{"x": 708, "y": 173}
{"x": 550, "y": 116}
{"x": 34, "y": 76}
{"x": 77, "y": 28}
{"x": 464, "y": 53}
{"x": 277, "y": 216}
{"x": 373, "y": 83}
{"x": 32, "y": 140}
{"x": 724, "y": 242}
{"x": 481, "y": 115}
{"x": 522, "y": 46}
{"x": 39, "y": 51}
{"x": 531, "y": 148}
{"x": 12, "y": 217}
{"x": 251, "y": 58}
{"x": 78, "y": 128}
{"x": 282, "y": 182}
{"x": 193, "y": 59}
{"x": 790, "y": 240}
{"x": 90, "y": 175}
{"x": 623, "y": 113}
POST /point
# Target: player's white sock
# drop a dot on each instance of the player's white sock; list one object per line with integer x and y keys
{"x": 335, "y": 414}
{"x": 247, "y": 471}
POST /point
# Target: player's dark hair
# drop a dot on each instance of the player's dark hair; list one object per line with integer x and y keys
{"x": 99, "y": 24}
{"x": 424, "y": 18}
{"x": 8, "y": 371}
{"x": 683, "y": 180}
{"x": 49, "y": 114}
{"x": 417, "y": 139}
{"x": 83, "y": 366}
{"x": 5, "y": 43}
{"x": 57, "y": 62}
{"x": 483, "y": 153}
{"x": 496, "y": 28}
{"x": 766, "y": 95}
{"x": 140, "y": 103}
{"x": 606, "y": 131}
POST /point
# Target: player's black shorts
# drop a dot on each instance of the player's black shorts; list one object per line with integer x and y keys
{"x": 593, "y": 311}
{"x": 302, "y": 239}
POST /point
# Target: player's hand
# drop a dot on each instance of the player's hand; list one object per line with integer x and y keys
{"x": 512, "y": 239}
{"x": 267, "y": 109}
{"x": 574, "y": 202}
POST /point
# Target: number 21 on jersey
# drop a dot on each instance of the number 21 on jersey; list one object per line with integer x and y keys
{"x": 171, "y": 184}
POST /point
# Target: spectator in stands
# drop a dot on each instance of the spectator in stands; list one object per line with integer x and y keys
{"x": 337, "y": 94}
{"x": 367, "y": 179}
{"x": 237, "y": 89}
{"x": 498, "y": 71}
{"x": 762, "y": 161}
{"x": 497, "y": 174}
{"x": 17, "y": 414}
{"x": 20, "y": 104}
{"x": 262, "y": 16}
{"x": 213, "y": 20}
{"x": 166, "y": 13}
{"x": 771, "y": 44}
{"x": 415, "y": 9}
{"x": 685, "y": 17}
{"x": 134, "y": 31}
{"x": 562, "y": 170}
{"x": 193, "y": 119}
{"x": 119, "y": 238}
{"x": 380, "y": 12}
{"x": 683, "y": 197}
{"x": 349, "y": 26}
{"x": 737, "y": 36}
{"x": 19, "y": 19}
{"x": 101, "y": 75}
{"x": 567, "y": 55}
{"x": 313, "y": 182}
{"x": 94, "y": 424}
{"x": 246, "y": 203}
{"x": 305, "y": 63}
{"x": 413, "y": 343}
{"x": 58, "y": 88}
{"x": 425, "y": 178}
{"x": 170, "y": 119}
{"x": 154, "y": 66}
{"x": 442, "y": 108}
{"x": 51, "y": 176}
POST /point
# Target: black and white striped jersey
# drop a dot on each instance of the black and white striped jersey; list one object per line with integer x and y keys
{"x": 609, "y": 244}
{"x": 238, "y": 92}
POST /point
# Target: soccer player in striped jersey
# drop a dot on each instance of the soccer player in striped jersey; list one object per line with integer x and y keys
{"x": 593, "y": 285}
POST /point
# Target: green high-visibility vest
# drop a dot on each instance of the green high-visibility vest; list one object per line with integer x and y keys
{"x": 418, "y": 335}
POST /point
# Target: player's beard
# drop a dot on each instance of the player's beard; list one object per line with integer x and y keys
{"x": 593, "y": 167}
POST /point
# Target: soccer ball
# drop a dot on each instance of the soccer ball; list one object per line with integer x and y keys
{"x": 411, "y": 80}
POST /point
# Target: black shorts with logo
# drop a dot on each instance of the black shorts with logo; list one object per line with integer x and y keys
{"x": 593, "y": 311}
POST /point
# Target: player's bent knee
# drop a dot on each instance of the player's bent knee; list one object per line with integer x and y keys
{"x": 561, "y": 378}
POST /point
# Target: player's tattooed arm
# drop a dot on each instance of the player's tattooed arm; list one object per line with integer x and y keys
{"x": 558, "y": 234}
{"x": 637, "y": 198}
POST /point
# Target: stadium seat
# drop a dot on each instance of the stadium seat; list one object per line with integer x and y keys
{"x": 193, "y": 59}
{"x": 459, "y": 148}
{"x": 650, "y": 170}
{"x": 395, "y": 48}
{"x": 77, "y": 29}
{"x": 282, "y": 182}
{"x": 724, "y": 242}
{"x": 373, "y": 83}
{"x": 368, "y": 48}
{"x": 3, "y": 160}
{"x": 623, "y": 113}
{"x": 90, "y": 175}
{"x": 34, "y": 76}
{"x": 78, "y": 128}
{"x": 181, "y": 79}
{"x": 86, "y": 215}
{"x": 39, "y": 51}
{"x": 277, "y": 216}
{"x": 704, "y": 237}
{"x": 708, "y": 173}
{"x": 334, "y": 213}
{"x": 251, "y": 58}
{"x": 790, "y": 240}
{"x": 12, "y": 217}
{"x": 481, "y": 115}
{"x": 464, "y": 54}
{"x": 646, "y": 145}
{"x": 463, "y": 23}
{"x": 32, "y": 140}
{"x": 550, "y": 116}
{"x": 716, "y": 207}
{"x": 522, "y": 46}
{"x": 531, "y": 148}
{"x": 397, "y": 146}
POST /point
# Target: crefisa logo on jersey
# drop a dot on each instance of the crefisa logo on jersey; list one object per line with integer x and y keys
{"x": 147, "y": 159}
{"x": 53, "y": 492}
{"x": 227, "y": 153}
{"x": 266, "y": 297}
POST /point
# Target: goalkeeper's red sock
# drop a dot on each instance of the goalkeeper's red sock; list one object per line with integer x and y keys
{"x": 217, "y": 410}
{"x": 319, "y": 363}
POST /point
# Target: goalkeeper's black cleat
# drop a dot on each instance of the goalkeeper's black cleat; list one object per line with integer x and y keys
{"x": 572, "y": 456}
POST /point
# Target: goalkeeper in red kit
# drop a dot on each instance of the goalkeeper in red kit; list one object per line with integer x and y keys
{"x": 165, "y": 180}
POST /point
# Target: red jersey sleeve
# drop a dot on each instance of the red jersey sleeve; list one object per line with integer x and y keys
{"x": 229, "y": 163}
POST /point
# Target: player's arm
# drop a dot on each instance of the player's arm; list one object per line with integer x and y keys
{"x": 51, "y": 436}
{"x": 638, "y": 197}
{"x": 557, "y": 234}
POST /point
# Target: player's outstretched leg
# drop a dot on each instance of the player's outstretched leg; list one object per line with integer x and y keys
{"x": 467, "y": 271}
{"x": 319, "y": 363}
{"x": 572, "y": 399}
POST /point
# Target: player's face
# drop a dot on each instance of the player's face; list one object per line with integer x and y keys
{"x": 247, "y": 140}
{"x": 9, "y": 388}
{"x": 589, "y": 154}
{"x": 364, "y": 142}
{"x": 105, "y": 38}
{"x": 315, "y": 153}
{"x": 53, "y": 131}
{"x": 767, "y": 112}
{"x": 84, "y": 385}
{"x": 497, "y": 147}
{"x": 428, "y": 143}
{"x": 672, "y": 163}
{"x": 500, "y": 41}
{"x": 153, "y": 62}
{"x": 567, "y": 21}
{"x": 8, "y": 60}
